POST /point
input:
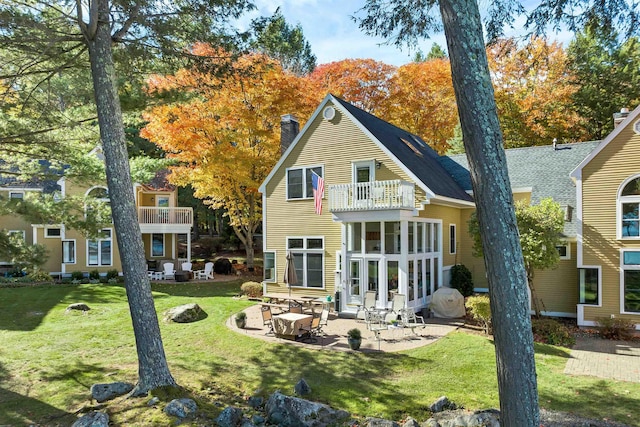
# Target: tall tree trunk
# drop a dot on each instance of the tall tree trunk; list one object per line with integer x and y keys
{"x": 152, "y": 364}
{"x": 496, "y": 215}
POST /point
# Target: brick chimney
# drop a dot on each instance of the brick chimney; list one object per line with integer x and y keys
{"x": 289, "y": 128}
{"x": 619, "y": 117}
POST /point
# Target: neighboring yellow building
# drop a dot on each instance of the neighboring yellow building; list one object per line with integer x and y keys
{"x": 165, "y": 228}
{"x": 608, "y": 246}
{"x": 394, "y": 213}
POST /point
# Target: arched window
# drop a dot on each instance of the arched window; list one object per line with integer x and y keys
{"x": 101, "y": 193}
{"x": 629, "y": 208}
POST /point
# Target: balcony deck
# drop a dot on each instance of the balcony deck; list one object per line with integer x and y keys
{"x": 165, "y": 220}
{"x": 375, "y": 195}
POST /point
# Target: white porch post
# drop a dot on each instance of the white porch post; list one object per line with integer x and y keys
{"x": 189, "y": 246}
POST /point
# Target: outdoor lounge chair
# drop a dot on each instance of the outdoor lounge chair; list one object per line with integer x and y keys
{"x": 324, "y": 320}
{"x": 186, "y": 266}
{"x": 312, "y": 331}
{"x": 267, "y": 318}
{"x": 169, "y": 271}
{"x": 397, "y": 305}
{"x": 205, "y": 274}
{"x": 409, "y": 319}
{"x": 368, "y": 304}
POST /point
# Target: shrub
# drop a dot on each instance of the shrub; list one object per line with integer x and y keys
{"x": 112, "y": 274}
{"x": 461, "y": 280}
{"x": 615, "y": 328}
{"x": 94, "y": 275}
{"x": 480, "y": 309}
{"x": 39, "y": 276}
{"x": 241, "y": 315}
{"x": 77, "y": 275}
{"x": 251, "y": 289}
{"x": 354, "y": 334}
{"x": 552, "y": 332}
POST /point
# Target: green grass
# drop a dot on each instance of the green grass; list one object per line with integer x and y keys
{"x": 49, "y": 359}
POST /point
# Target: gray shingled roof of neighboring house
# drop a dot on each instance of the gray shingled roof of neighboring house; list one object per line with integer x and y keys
{"x": 542, "y": 168}
{"x": 47, "y": 185}
{"x": 412, "y": 151}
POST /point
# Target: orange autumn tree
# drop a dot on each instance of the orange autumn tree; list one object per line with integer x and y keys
{"x": 421, "y": 100}
{"x": 533, "y": 90}
{"x": 362, "y": 82}
{"x": 226, "y": 136}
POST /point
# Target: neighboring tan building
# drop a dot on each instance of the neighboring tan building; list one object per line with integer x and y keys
{"x": 394, "y": 213}
{"x": 165, "y": 227}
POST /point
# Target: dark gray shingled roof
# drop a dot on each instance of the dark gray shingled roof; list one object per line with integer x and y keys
{"x": 542, "y": 168}
{"x": 47, "y": 184}
{"x": 412, "y": 151}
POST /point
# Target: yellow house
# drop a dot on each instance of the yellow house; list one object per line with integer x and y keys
{"x": 394, "y": 214}
{"x": 165, "y": 228}
{"x": 608, "y": 245}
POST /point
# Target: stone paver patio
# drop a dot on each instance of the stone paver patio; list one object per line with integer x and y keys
{"x": 618, "y": 360}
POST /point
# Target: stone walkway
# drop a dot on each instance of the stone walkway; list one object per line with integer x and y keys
{"x": 618, "y": 360}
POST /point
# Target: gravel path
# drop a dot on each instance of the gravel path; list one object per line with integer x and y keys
{"x": 566, "y": 419}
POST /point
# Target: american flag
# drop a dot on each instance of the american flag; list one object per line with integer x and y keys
{"x": 318, "y": 191}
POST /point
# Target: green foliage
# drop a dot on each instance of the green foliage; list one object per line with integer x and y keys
{"x": 436, "y": 52}
{"x": 354, "y": 334}
{"x": 15, "y": 250}
{"x": 287, "y": 44}
{"x": 462, "y": 280}
{"x": 552, "y": 332}
{"x": 112, "y": 274}
{"x": 39, "y": 276}
{"x": 77, "y": 275}
{"x": 251, "y": 289}
{"x": 94, "y": 275}
{"x": 479, "y": 307}
{"x": 616, "y": 328}
{"x": 241, "y": 315}
{"x": 456, "y": 143}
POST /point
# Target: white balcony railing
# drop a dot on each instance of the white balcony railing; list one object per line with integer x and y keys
{"x": 169, "y": 216}
{"x": 373, "y": 195}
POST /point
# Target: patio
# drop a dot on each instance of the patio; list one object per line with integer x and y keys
{"x": 394, "y": 339}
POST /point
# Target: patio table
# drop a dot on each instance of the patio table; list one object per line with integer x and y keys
{"x": 290, "y": 325}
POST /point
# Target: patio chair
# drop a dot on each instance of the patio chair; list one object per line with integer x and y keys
{"x": 186, "y": 266}
{"x": 205, "y": 274}
{"x": 324, "y": 320}
{"x": 397, "y": 305}
{"x": 295, "y": 308}
{"x": 368, "y": 304}
{"x": 312, "y": 331}
{"x": 169, "y": 271}
{"x": 409, "y": 319}
{"x": 267, "y": 318}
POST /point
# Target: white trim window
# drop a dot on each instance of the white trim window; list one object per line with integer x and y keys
{"x": 157, "y": 245}
{"x": 99, "y": 251}
{"x": 630, "y": 281}
{"x": 629, "y": 209}
{"x": 564, "y": 250}
{"x": 68, "y": 251}
{"x": 308, "y": 258}
{"x": 269, "y": 268}
{"x": 53, "y": 232}
{"x": 589, "y": 285}
{"x": 16, "y": 195}
{"x": 299, "y": 185}
{"x": 452, "y": 239}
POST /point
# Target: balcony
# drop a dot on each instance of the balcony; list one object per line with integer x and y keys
{"x": 165, "y": 220}
{"x": 376, "y": 195}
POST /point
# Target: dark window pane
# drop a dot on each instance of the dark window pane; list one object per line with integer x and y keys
{"x": 294, "y": 184}
{"x": 314, "y": 269}
{"x": 632, "y": 291}
{"x": 588, "y": 285}
{"x": 314, "y": 244}
{"x": 632, "y": 188}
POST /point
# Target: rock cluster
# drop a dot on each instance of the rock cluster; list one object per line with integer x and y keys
{"x": 185, "y": 313}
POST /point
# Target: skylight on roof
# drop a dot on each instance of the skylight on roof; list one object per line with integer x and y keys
{"x": 410, "y": 145}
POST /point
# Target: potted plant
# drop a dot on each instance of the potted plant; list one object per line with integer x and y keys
{"x": 354, "y": 338}
{"x": 241, "y": 320}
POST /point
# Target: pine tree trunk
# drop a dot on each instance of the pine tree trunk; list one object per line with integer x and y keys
{"x": 152, "y": 364}
{"x": 496, "y": 215}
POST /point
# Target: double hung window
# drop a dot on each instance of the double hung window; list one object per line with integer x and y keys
{"x": 299, "y": 185}
{"x": 308, "y": 258}
{"x": 99, "y": 251}
{"x": 630, "y": 281}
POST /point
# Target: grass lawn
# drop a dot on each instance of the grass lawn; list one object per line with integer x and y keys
{"x": 49, "y": 359}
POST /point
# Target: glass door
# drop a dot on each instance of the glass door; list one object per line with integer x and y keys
{"x": 163, "y": 211}
{"x": 362, "y": 176}
{"x": 354, "y": 289}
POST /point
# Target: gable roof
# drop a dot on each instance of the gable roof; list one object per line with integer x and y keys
{"x": 577, "y": 172}
{"x": 409, "y": 151}
{"x": 542, "y": 169}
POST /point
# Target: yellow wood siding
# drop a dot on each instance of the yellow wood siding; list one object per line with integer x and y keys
{"x": 601, "y": 180}
{"x": 448, "y": 215}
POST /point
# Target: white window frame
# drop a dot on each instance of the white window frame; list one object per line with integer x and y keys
{"x": 274, "y": 275}
{"x": 620, "y": 200}
{"x": 591, "y": 267}
{"x": 636, "y": 127}
{"x": 99, "y": 241}
{"x": 48, "y": 236}
{"x": 153, "y": 255}
{"x": 75, "y": 249}
{"x": 453, "y": 236}
{"x": 304, "y": 181}
{"x": 12, "y": 195}
{"x": 304, "y": 251}
{"x": 623, "y": 268}
{"x": 566, "y": 245}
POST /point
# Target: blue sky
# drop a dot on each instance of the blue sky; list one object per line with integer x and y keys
{"x": 334, "y": 36}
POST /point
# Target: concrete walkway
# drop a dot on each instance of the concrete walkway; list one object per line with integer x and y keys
{"x": 618, "y": 360}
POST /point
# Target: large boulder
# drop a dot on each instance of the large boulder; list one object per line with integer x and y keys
{"x": 302, "y": 388}
{"x": 379, "y": 422}
{"x": 442, "y": 404}
{"x": 92, "y": 419}
{"x": 229, "y": 417}
{"x": 222, "y": 266}
{"x": 80, "y": 306}
{"x": 185, "y": 313}
{"x": 181, "y": 408}
{"x": 287, "y": 411}
{"x": 462, "y": 418}
{"x": 103, "y": 392}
